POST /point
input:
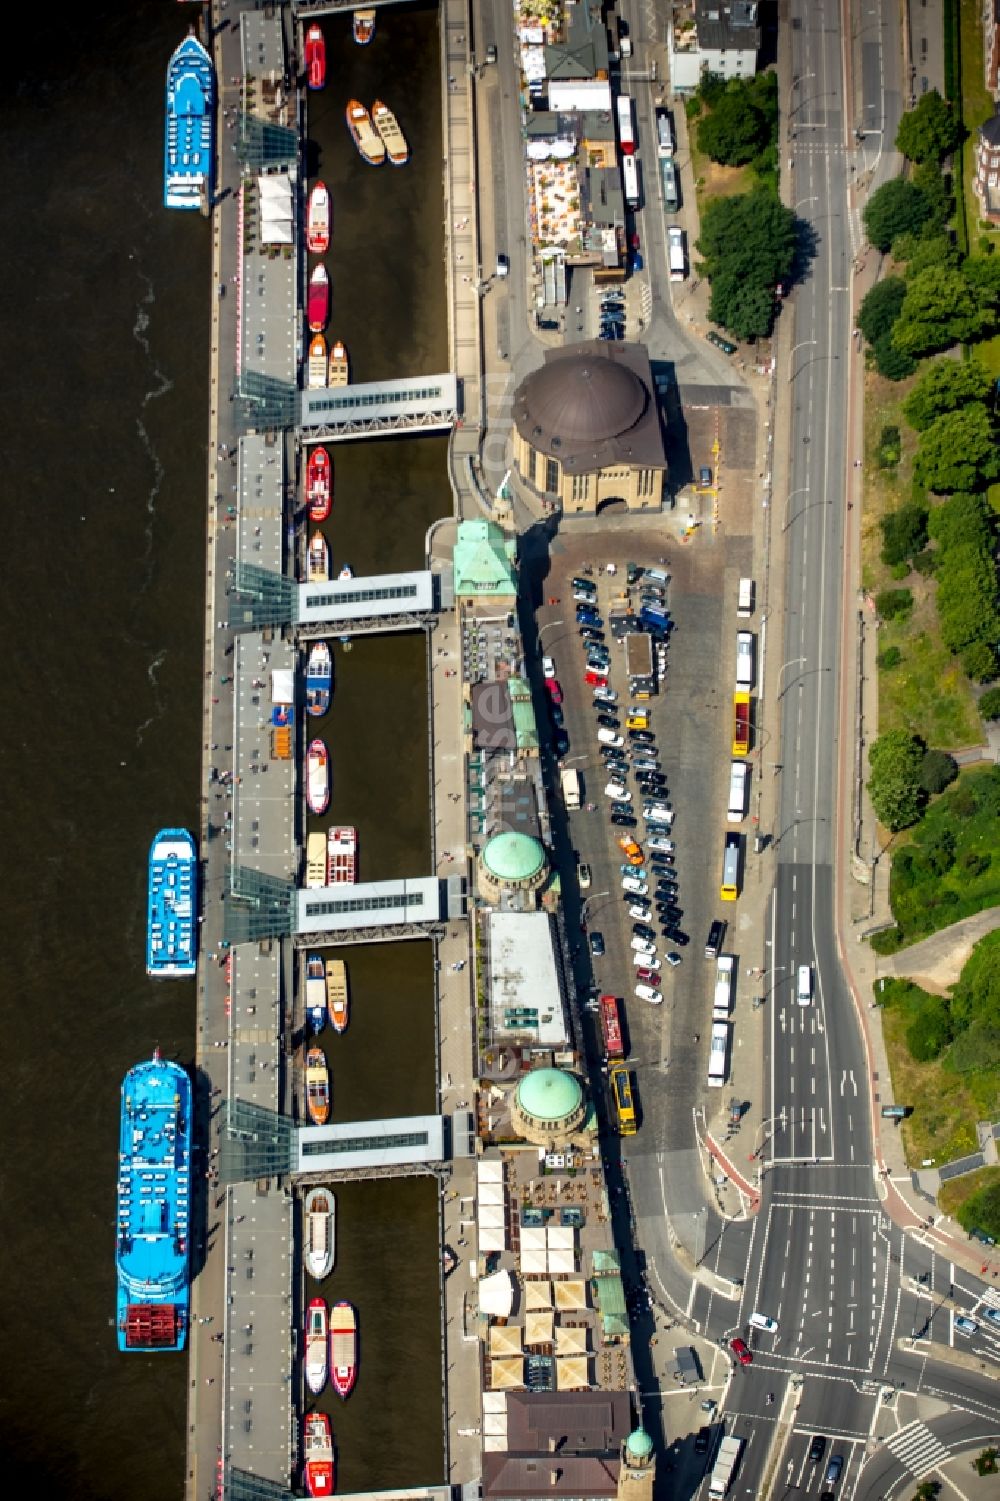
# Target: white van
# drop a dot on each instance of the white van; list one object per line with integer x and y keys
{"x": 609, "y": 737}
{"x": 761, "y": 1321}
{"x": 744, "y": 600}
{"x": 656, "y": 575}
{"x": 744, "y": 659}
{"x": 804, "y": 985}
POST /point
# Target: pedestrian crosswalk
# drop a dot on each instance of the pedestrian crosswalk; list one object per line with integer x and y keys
{"x": 916, "y": 1447}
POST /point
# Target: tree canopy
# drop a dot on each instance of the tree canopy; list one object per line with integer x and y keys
{"x": 930, "y": 131}
{"x": 880, "y": 308}
{"x": 940, "y": 309}
{"x": 896, "y": 208}
{"x": 945, "y": 386}
{"x": 958, "y": 451}
{"x": 735, "y": 130}
{"x": 896, "y": 759}
{"x": 747, "y": 245}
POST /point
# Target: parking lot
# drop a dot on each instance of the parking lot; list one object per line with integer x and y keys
{"x": 689, "y": 718}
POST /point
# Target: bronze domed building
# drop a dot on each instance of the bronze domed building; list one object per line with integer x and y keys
{"x": 587, "y": 429}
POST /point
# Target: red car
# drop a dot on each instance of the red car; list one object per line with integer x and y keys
{"x": 646, "y": 975}
{"x": 739, "y": 1348}
{"x": 596, "y": 679}
{"x": 555, "y": 692}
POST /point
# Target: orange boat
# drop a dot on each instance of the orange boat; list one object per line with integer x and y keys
{"x": 371, "y": 147}
{"x": 317, "y": 1087}
{"x": 319, "y": 484}
{"x": 338, "y": 374}
{"x": 316, "y": 370}
{"x": 336, "y": 993}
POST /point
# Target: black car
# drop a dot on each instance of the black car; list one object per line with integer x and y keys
{"x": 720, "y": 343}
{"x": 817, "y": 1448}
{"x": 624, "y": 820}
{"x": 596, "y": 941}
{"x": 676, "y": 936}
{"x": 558, "y": 717}
{"x": 655, "y": 781}
{"x": 587, "y": 586}
{"x": 560, "y": 741}
{"x": 608, "y": 722}
{"x": 667, "y": 881}
{"x": 642, "y": 737}
{"x": 662, "y": 865}
{"x": 701, "y": 1440}
{"x": 591, "y": 633}
{"x": 643, "y": 930}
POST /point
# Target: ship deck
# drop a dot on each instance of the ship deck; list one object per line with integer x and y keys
{"x": 171, "y": 918}
{"x": 154, "y": 1170}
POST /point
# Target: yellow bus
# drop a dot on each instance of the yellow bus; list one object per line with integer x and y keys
{"x": 624, "y": 1102}
{"x": 730, "y": 888}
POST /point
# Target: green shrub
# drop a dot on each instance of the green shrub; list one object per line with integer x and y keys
{"x": 930, "y": 1032}
{"x": 889, "y": 941}
{"x": 890, "y": 362}
{"x": 937, "y": 771}
{"x": 890, "y": 658}
{"x": 880, "y": 308}
{"x": 926, "y": 562}
{"x": 981, "y": 1211}
{"x": 979, "y": 662}
{"x": 890, "y": 448}
{"x": 904, "y": 533}
{"x": 891, "y": 604}
{"x": 989, "y": 704}
{"x": 899, "y": 571}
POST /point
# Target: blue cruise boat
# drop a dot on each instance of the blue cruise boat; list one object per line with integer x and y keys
{"x": 189, "y": 150}
{"x": 152, "y": 1250}
{"x": 171, "y": 914}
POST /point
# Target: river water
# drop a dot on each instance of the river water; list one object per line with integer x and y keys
{"x": 104, "y": 307}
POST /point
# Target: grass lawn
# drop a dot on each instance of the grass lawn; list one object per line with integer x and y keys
{"x": 927, "y": 896}
{"x": 712, "y": 180}
{"x": 927, "y": 693}
{"x": 955, "y": 1192}
{"x": 942, "y": 1125}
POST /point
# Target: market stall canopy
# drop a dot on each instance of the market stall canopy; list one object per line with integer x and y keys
{"x": 571, "y": 1373}
{"x": 570, "y": 1295}
{"x": 505, "y": 1339}
{"x": 571, "y": 1340}
{"x": 496, "y": 1295}
{"x": 537, "y": 1295}
{"x": 538, "y": 1328}
{"x": 507, "y": 1373}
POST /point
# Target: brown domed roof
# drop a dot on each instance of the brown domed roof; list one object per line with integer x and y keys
{"x": 584, "y": 397}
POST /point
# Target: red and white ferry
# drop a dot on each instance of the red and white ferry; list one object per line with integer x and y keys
{"x": 318, "y": 302}
{"x": 318, "y": 777}
{"x": 317, "y": 1451}
{"x": 319, "y": 484}
{"x": 341, "y": 855}
{"x": 318, "y": 219}
{"x": 343, "y": 1348}
{"x": 315, "y": 57}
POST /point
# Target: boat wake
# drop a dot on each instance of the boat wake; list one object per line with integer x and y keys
{"x": 153, "y": 674}
{"x": 163, "y": 384}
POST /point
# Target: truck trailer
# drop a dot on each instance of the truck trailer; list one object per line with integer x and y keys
{"x": 724, "y": 1468}
{"x": 570, "y": 780}
{"x": 638, "y": 655}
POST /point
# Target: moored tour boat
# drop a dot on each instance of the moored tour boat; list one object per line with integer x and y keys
{"x": 317, "y": 1345}
{"x": 319, "y": 484}
{"x": 387, "y": 125}
{"x": 316, "y": 861}
{"x": 318, "y": 304}
{"x": 338, "y": 365}
{"x": 318, "y": 220}
{"x": 336, "y": 993}
{"x": 341, "y": 855}
{"x": 315, "y": 50}
{"x": 343, "y": 1348}
{"x": 316, "y": 374}
{"x": 318, "y": 571}
{"x": 317, "y": 777}
{"x": 367, "y": 139}
{"x": 317, "y": 1087}
{"x": 319, "y": 679}
{"x": 346, "y": 571}
{"x": 317, "y": 1452}
{"x": 316, "y": 1001}
{"x": 320, "y": 1213}
{"x": 364, "y": 26}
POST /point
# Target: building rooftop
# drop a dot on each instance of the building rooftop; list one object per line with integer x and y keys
{"x": 727, "y": 27}
{"x": 484, "y": 560}
{"x": 592, "y": 406}
{"x": 549, "y": 1094}
{"x": 989, "y": 131}
{"x": 523, "y": 990}
{"x": 513, "y": 857}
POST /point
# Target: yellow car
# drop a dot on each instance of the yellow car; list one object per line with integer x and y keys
{"x": 637, "y": 722}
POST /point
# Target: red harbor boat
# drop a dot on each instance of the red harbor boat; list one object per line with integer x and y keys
{"x": 318, "y": 305}
{"x": 315, "y": 57}
{"x": 318, "y": 220}
{"x": 317, "y": 1451}
{"x": 319, "y": 484}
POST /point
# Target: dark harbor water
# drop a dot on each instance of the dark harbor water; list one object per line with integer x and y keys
{"x": 104, "y": 308}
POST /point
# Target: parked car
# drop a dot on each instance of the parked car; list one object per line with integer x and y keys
{"x": 643, "y": 930}
{"x": 586, "y": 585}
{"x": 548, "y": 667}
{"x": 590, "y": 633}
{"x": 642, "y": 737}
{"x": 701, "y": 1440}
{"x": 639, "y": 909}
{"x": 605, "y": 696}
{"x": 720, "y": 343}
{"x": 560, "y": 741}
{"x": 673, "y": 959}
{"x": 649, "y": 972}
{"x": 596, "y": 941}
{"x": 595, "y": 679}
{"x": 608, "y": 737}
{"x": 628, "y": 869}
{"x": 584, "y": 876}
{"x": 704, "y": 475}
{"x": 558, "y": 717}
{"x": 617, "y": 791}
{"x": 633, "y": 884}
{"x": 659, "y": 842}
{"x": 555, "y": 690}
{"x": 649, "y": 993}
{"x": 624, "y": 820}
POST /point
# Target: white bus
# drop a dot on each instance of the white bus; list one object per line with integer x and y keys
{"x": 675, "y": 242}
{"x": 664, "y": 134}
{"x": 626, "y": 130}
{"x": 717, "y": 1055}
{"x": 722, "y": 1002}
{"x": 744, "y": 659}
{"x": 738, "y": 786}
{"x": 630, "y": 176}
{"x": 744, "y": 602}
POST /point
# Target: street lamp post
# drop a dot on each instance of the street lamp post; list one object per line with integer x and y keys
{"x": 793, "y": 662}
{"x": 802, "y": 490}
{"x": 805, "y": 344}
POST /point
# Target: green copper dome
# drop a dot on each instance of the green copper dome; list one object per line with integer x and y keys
{"x": 548, "y": 1094}
{"x": 513, "y": 857}
{"x": 640, "y": 1444}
